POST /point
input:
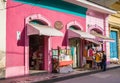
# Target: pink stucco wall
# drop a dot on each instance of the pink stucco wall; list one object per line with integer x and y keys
{"x": 95, "y": 18}
{"x": 98, "y": 20}
{"x": 16, "y": 15}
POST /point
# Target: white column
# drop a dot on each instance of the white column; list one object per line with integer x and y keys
{"x": 107, "y": 33}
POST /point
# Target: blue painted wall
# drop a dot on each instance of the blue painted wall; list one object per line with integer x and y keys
{"x": 57, "y": 5}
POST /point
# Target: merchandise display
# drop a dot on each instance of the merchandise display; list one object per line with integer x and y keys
{"x": 62, "y": 62}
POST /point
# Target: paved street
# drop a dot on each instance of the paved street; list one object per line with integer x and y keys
{"x": 90, "y": 75}
{"x": 110, "y": 76}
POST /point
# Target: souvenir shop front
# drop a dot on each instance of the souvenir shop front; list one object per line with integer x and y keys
{"x": 81, "y": 48}
{"x": 94, "y": 46}
{"x": 36, "y": 34}
{"x": 76, "y": 44}
{"x": 65, "y": 60}
{"x": 39, "y": 34}
{"x": 97, "y": 24}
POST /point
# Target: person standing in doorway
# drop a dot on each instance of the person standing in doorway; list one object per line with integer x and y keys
{"x": 104, "y": 61}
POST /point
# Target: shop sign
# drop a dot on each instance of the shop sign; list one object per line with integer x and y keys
{"x": 18, "y": 35}
{"x": 58, "y": 25}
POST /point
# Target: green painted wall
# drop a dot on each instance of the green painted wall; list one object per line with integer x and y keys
{"x": 57, "y": 5}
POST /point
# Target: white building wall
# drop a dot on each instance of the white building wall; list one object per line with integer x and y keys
{"x": 101, "y": 20}
{"x": 2, "y": 37}
{"x": 95, "y": 20}
{"x": 2, "y": 27}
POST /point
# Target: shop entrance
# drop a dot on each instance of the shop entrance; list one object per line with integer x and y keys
{"x": 36, "y": 52}
{"x": 75, "y": 51}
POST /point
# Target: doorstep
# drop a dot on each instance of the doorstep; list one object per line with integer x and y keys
{"x": 34, "y": 72}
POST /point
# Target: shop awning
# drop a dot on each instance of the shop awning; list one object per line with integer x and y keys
{"x": 80, "y": 34}
{"x": 103, "y": 38}
{"x": 37, "y": 29}
{"x": 94, "y": 41}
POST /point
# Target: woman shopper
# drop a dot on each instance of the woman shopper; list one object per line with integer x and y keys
{"x": 98, "y": 59}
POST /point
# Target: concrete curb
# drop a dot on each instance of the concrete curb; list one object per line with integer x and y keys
{"x": 73, "y": 76}
{"x": 34, "y": 74}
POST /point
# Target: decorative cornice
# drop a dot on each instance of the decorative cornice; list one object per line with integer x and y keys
{"x": 112, "y": 24}
{"x": 92, "y": 6}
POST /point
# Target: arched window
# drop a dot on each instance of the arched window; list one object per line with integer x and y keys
{"x": 38, "y": 18}
{"x": 38, "y": 22}
{"x": 96, "y": 31}
{"x": 74, "y": 27}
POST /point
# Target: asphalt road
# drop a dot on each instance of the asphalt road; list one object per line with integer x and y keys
{"x": 109, "y": 76}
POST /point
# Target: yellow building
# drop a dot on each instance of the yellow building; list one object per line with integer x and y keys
{"x": 114, "y": 24}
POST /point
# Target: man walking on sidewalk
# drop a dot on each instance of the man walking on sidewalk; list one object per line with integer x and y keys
{"x": 104, "y": 61}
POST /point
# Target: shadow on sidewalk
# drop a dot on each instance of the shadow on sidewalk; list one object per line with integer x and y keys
{"x": 54, "y": 77}
{"x": 70, "y": 76}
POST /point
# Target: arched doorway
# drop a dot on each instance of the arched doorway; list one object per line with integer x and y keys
{"x": 37, "y": 48}
{"x": 74, "y": 44}
{"x": 97, "y": 31}
{"x": 38, "y": 36}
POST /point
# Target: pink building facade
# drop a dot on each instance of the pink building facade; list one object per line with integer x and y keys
{"x": 63, "y": 25}
{"x": 18, "y": 42}
{"x": 98, "y": 22}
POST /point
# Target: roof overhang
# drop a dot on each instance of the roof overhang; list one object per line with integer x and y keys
{"x": 92, "y": 6}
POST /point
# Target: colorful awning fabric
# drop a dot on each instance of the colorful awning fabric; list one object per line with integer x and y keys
{"x": 95, "y": 38}
{"x": 37, "y": 29}
{"x": 80, "y": 34}
{"x": 103, "y": 38}
{"x": 83, "y": 35}
{"x": 94, "y": 41}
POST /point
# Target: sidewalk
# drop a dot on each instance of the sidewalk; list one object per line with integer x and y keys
{"x": 47, "y": 77}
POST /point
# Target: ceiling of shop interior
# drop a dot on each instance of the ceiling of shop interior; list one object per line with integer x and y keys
{"x": 112, "y": 4}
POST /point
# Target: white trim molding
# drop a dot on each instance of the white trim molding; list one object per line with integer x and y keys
{"x": 74, "y": 23}
{"x": 92, "y": 6}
